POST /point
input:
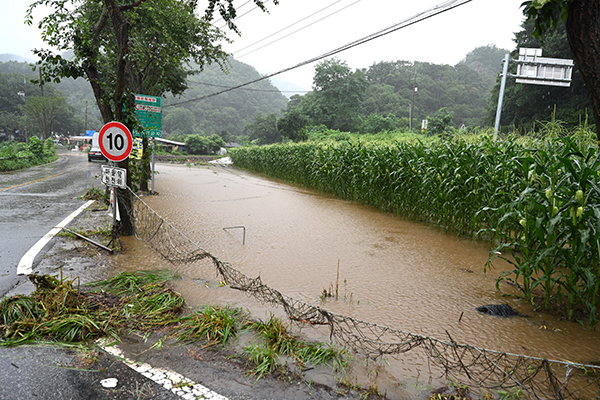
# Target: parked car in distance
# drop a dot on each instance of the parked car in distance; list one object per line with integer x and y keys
{"x": 95, "y": 154}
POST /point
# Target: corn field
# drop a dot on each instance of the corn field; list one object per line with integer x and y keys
{"x": 537, "y": 200}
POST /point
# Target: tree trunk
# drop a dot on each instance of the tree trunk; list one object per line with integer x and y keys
{"x": 583, "y": 31}
{"x": 122, "y": 102}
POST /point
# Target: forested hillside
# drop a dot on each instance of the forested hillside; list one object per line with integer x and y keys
{"x": 370, "y": 100}
{"x": 464, "y": 89}
{"x": 18, "y": 93}
{"x": 230, "y": 111}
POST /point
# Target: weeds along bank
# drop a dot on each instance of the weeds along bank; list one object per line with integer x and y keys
{"x": 17, "y": 155}
{"x": 538, "y": 199}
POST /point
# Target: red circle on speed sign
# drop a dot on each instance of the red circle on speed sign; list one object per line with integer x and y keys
{"x": 115, "y": 141}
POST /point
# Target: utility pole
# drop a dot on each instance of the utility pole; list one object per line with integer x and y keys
{"x": 41, "y": 84}
{"x": 412, "y": 105}
{"x": 501, "y": 95}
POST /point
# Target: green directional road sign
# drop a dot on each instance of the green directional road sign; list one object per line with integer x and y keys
{"x": 148, "y": 110}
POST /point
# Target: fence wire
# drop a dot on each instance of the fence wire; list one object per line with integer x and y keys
{"x": 537, "y": 378}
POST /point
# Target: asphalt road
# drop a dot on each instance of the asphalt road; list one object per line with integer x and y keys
{"x": 35, "y": 200}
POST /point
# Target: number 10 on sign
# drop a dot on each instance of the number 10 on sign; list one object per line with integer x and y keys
{"x": 115, "y": 141}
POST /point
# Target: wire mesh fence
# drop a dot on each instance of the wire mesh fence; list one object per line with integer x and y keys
{"x": 536, "y": 378}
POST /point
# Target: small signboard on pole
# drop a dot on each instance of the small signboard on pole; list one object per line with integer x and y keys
{"x": 537, "y": 70}
{"x": 114, "y": 176}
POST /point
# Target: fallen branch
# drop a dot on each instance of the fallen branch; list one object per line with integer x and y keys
{"x": 89, "y": 240}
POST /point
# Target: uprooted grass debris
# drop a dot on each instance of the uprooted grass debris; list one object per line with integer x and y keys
{"x": 59, "y": 312}
{"x": 62, "y": 311}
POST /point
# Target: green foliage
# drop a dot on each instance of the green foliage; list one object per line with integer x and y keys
{"x": 463, "y": 89}
{"x": 293, "y": 125}
{"x": 278, "y": 341}
{"x": 36, "y": 146}
{"x": 263, "y": 130}
{"x": 263, "y": 359}
{"x": 439, "y": 123}
{"x": 128, "y": 283}
{"x": 546, "y": 14}
{"x": 204, "y": 145}
{"x": 473, "y": 186}
{"x": 376, "y": 123}
{"x": 18, "y": 155}
{"x": 552, "y": 228}
{"x": 43, "y": 112}
{"x": 338, "y": 93}
{"x": 23, "y": 106}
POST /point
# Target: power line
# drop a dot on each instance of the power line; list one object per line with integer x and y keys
{"x": 439, "y": 9}
{"x": 240, "y": 7}
{"x": 289, "y": 26}
{"x": 298, "y": 30}
{"x": 254, "y": 90}
{"x": 247, "y": 12}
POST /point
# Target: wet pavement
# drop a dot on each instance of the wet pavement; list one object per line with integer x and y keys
{"x": 33, "y": 201}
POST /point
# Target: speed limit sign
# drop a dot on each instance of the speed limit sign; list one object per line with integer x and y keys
{"x": 115, "y": 141}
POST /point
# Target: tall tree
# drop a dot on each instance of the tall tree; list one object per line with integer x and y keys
{"x": 42, "y": 112}
{"x": 582, "y": 19}
{"x": 338, "y": 93}
{"x": 108, "y": 39}
{"x": 264, "y": 129}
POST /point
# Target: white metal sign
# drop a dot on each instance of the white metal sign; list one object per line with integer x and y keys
{"x": 114, "y": 176}
{"x": 537, "y": 70}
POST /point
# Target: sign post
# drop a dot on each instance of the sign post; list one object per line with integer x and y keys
{"x": 115, "y": 142}
{"x": 537, "y": 70}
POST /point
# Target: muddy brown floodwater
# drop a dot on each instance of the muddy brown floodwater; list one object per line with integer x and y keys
{"x": 393, "y": 272}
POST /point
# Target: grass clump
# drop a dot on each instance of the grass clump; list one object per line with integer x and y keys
{"x": 265, "y": 358}
{"x": 133, "y": 282}
{"x": 95, "y": 193}
{"x": 218, "y": 325}
{"x": 58, "y": 312}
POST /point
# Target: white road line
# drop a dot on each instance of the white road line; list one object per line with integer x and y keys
{"x": 26, "y": 264}
{"x": 170, "y": 380}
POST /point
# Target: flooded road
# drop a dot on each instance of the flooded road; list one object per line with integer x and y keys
{"x": 393, "y": 272}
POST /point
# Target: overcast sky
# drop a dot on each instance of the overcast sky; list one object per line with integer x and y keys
{"x": 445, "y": 38}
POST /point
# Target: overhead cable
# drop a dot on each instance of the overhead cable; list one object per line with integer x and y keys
{"x": 240, "y": 7}
{"x": 247, "y": 12}
{"x": 439, "y": 9}
{"x": 289, "y": 26}
{"x": 253, "y": 90}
